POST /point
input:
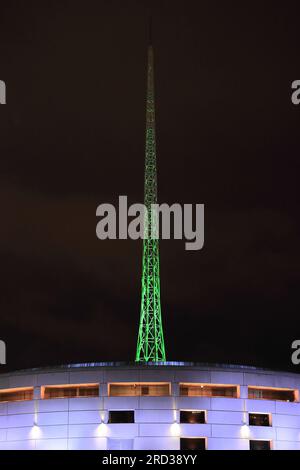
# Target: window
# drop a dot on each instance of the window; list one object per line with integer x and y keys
{"x": 260, "y": 445}
{"x": 16, "y": 394}
{"x": 70, "y": 391}
{"x": 259, "y": 419}
{"x": 264, "y": 393}
{"x": 138, "y": 389}
{"x": 124, "y": 416}
{"x": 193, "y": 443}
{"x": 192, "y": 417}
{"x": 206, "y": 390}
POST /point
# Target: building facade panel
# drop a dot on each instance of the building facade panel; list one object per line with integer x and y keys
{"x": 193, "y": 403}
{"x": 85, "y": 404}
{"x": 219, "y": 377}
{"x": 155, "y": 416}
{"x": 273, "y": 380}
{"x": 96, "y": 443}
{"x": 147, "y": 421}
{"x": 122, "y": 430}
{"x": 84, "y": 430}
{"x": 121, "y": 375}
{"x": 193, "y": 376}
{"x": 286, "y": 408}
{"x": 52, "y": 406}
{"x": 157, "y": 443}
{"x": 21, "y": 407}
{"x": 227, "y": 444}
{"x": 262, "y": 432}
{"x": 18, "y": 445}
{"x": 54, "y": 432}
{"x": 286, "y": 421}
{"x": 15, "y": 421}
{"x": 194, "y": 430}
{"x": 51, "y": 444}
{"x": 56, "y": 378}
{"x": 226, "y": 404}
{"x": 22, "y": 380}
{"x": 288, "y": 434}
{"x": 87, "y": 377}
{"x": 121, "y": 403}
{"x": 260, "y": 406}
{"x": 158, "y": 403}
{"x": 225, "y": 417}
{"x": 158, "y": 429}
{"x": 50, "y": 418}
{"x": 227, "y": 431}
{"x": 84, "y": 417}
{"x": 286, "y": 445}
{"x": 151, "y": 376}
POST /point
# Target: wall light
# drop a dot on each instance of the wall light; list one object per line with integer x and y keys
{"x": 35, "y": 432}
{"x": 101, "y": 430}
{"x": 245, "y": 431}
{"x": 175, "y": 429}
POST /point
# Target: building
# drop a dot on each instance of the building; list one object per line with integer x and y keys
{"x": 152, "y": 404}
{"x": 166, "y": 406}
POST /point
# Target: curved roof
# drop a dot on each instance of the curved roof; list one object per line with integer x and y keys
{"x": 122, "y": 364}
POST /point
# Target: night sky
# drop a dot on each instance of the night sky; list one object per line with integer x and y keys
{"x": 72, "y": 137}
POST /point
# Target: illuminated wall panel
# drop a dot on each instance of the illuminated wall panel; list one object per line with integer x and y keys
{"x": 82, "y": 423}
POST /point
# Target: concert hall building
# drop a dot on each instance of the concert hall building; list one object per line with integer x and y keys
{"x": 168, "y": 406}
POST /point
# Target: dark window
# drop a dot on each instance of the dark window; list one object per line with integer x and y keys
{"x": 260, "y": 445}
{"x": 126, "y": 416}
{"x": 192, "y": 417}
{"x": 259, "y": 419}
{"x": 271, "y": 394}
{"x": 144, "y": 390}
{"x": 193, "y": 443}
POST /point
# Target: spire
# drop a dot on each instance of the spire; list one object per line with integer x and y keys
{"x": 150, "y": 344}
{"x": 150, "y": 31}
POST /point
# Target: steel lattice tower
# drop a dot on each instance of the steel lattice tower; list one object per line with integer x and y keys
{"x": 150, "y": 344}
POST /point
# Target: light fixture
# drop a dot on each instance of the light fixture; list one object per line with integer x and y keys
{"x": 175, "y": 429}
{"x": 35, "y": 432}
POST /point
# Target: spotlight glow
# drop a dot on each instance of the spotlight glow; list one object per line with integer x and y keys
{"x": 101, "y": 430}
{"x": 175, "y": 429}
{"x": 245, "y": 431}
{"x": 35, "y": 432}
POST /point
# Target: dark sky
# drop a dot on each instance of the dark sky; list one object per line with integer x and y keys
{"x": 72, "y": 137}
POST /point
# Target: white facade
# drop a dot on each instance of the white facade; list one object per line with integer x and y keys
{"x": 82, "y": 423}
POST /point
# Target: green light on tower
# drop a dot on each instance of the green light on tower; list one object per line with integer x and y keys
{"x": 150, "y": 344}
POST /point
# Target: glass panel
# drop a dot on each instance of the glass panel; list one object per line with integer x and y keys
{"x": 259, "y": 419}
{"x": 192, "y": 417}
{"x": 16, "y": 395}
{"x": 199, "y": 390}
{"x": 75, "y": 391}
{"x": 271, "y": 394}
{"x": 126, "y": 416}
{"x": 260, "y": 445}
{"x": 135, "y": 389}
{"x": 192, "y": 444}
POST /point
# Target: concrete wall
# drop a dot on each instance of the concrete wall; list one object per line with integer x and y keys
{"x": 75, "y": 423}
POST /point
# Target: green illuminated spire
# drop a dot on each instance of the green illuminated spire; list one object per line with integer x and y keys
{"x": 150, "y": 344}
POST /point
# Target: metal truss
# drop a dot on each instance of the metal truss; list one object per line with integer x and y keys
{"x": 150, "y": 344}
